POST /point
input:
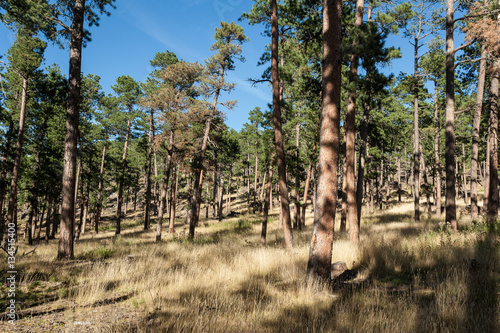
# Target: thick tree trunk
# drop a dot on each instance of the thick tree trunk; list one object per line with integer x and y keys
{"x": 493, "y": 139}
{"x": 475, "y": 135}
{"x": 280, "y": 153}
{"x": 65, "y": 250}
{"x": 451, "y": 209}
{"x": 122, "y": 179}
{"x": 320, "y": 254}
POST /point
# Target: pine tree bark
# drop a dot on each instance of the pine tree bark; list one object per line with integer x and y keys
{"x": 164, "y": 189}
{"x": 437, "y": 159}
{"x": 280, "y": 153}
{"x": 362, "y": 160}
{"x": 475, "y": 135}
{"x": 416, "y": 138}
{"x": 351, "y": 131}
{"x": 493, "y": 140}
{"x": 11, "y": 210}
{"x": 98, "y": 210}
{"x": 320, "y": 254}
{"x": 65, "y": 250}
{"x": 451, "y": 209}
{"x": 122, "y": 179}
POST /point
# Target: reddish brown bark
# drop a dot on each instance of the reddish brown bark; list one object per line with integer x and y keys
{"x": 65, "y": 250}
{"x": 352, "y": 209}
{"x": 320, "y": 255}
{"x": 451, "y": 209}
{"x": 280, "y": 153}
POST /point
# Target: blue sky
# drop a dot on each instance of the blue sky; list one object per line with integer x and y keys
{"x": 126, "y": 41}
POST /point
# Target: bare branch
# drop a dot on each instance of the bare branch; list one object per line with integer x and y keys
{"x": 254, "y": 82}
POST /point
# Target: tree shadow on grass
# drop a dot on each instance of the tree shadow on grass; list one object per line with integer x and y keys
{"x": 482, "y": 314}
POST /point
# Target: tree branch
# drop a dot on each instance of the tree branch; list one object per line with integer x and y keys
{"x": 463, "y": 46}
{"x": 255, "y": 81}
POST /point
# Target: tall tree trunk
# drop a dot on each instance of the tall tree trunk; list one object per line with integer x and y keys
{"x": 97, "y": 213}
{"x": 173, "y": 201}
{"x": 306, "y": 191}
{"x": 343, "y": 213}
{"x": 11, "y": 238}
{"x": 262, "y": 191}
{"x": 147, "y": 207}
{"x": 164, "y": 189}
{"x": 3, "y": 175}
{"x": 362, "y": 157}
{"x": 464, "y": 176}
{"x": 297, "y": 216}
{"x": 437, "y": 159}
{"x": 475, "y": 135}
{"x": 263, "y": 234}
{"x": 255, "y": 182}
{"x": 195, "y": 201}
{"x": 122, "y": 179}
{"x": 451, "y": 209}
{"x": 399, "y": 175}
{"x": 351, "y": 131}
{"x": 229, "y": 188}
{"x": 65, "y": 250}
{"x": 50, "y": 213}
{"x": 221, "y": 196}
{"x": 487, "y": 174}
{"x": 320, "y": 254}
{"x": 215, "y": 187}
{"x": 155, "y": 187}
{"x": 280, "y": 153}
{"x": 493, "y": 139}
{"x": 416, "y": 137}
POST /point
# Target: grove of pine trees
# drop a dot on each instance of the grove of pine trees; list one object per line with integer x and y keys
{"x": 345, "y": 135}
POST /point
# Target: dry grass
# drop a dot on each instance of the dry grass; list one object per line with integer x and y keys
{"x": 407, "y": 278}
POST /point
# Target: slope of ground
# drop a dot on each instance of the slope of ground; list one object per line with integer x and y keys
{"x": 404, "y": 277}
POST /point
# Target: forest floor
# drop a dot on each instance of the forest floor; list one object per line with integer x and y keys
{"x": 403, "y": 277}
